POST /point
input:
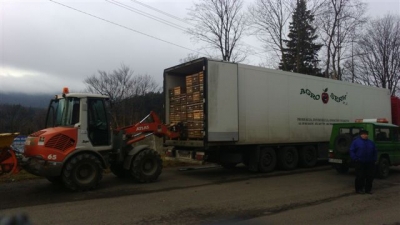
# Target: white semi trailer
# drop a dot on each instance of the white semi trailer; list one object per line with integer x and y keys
{"x": 234, "y": 113}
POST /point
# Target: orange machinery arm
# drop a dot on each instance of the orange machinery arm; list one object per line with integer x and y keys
{"x": 142, "y": 129}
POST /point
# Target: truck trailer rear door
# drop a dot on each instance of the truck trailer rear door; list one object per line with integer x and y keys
{"x": 222, "y": 101}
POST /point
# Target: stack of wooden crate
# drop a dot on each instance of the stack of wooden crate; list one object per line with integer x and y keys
{"x": 186, "y": 105}
{"x": 177, "y": 104}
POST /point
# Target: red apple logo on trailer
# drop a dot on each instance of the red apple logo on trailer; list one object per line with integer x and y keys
{"x": 325, "y": 96}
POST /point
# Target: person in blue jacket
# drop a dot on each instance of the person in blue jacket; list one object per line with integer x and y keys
{"x": 364, "y": 155}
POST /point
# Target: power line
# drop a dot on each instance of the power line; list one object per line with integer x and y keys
{"x": 116, "y": 24}
{"x": 177, "y": 18}
{"x": 147, "y": 15}
{"x": 162, "y": 12}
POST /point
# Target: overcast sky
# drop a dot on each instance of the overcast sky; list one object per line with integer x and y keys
{"x": 45, "y": 46}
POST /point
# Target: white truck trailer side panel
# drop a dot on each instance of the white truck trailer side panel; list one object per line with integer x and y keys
{"x": 222, "y": 101}
{"x": 283, "y": 107}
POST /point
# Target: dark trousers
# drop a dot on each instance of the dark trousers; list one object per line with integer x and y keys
{"x": 365, "y": 172}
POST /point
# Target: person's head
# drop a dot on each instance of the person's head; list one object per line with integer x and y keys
{"x": 364, "y": 134}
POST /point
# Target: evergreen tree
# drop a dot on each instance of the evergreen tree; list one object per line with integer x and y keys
{"x": 300, "y": 54}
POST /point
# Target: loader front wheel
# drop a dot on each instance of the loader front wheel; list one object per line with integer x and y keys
{"x": 146, "y": 166}
{"x": 82, "y": 172}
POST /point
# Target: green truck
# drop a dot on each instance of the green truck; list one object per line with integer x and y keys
{"x": 386, "y": 138}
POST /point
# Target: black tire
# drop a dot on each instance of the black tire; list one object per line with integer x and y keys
{"x": 288, "y": 158}
{"x": 82, "y": 172}
{"x": 308, "y": 156}
{"x": 229, "y": 166}
{"x": 119, "y": 170}
{"x": 342, "y": 169}
{"x": 146, "y": 166}
{"x": 267, "y": 161}
{"x": 343, "y": 143}
{"x": 383, "y": 168}
{"x": 57, "y": 180}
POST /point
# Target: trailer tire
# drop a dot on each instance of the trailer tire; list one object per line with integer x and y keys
{"x": 146, "y": 166}
{"x": 383, "y": 168}
{"x": 119, "y": 171}
{"x": 288, "y": 158}
{"x": 308, "y": 156}
{"x": 343, "y": 142}
{"x": 82, "y": 172}
{"x": 268, "y": 160}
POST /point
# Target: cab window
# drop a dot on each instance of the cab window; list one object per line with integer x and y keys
{"x": 382, "y": 134}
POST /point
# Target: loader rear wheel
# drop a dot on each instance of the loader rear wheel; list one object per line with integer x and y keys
{"x": 146, "y": 166}
{"x": 83, "y": 172}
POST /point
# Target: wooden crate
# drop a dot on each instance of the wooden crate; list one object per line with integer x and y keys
{"x": 183, "y": 99}
{"x": 201, "y": 78}
{"x": 175, "y": 100}
{"x": 195, "y": 88}
{"x": 189, "y": 89}
{"x": 198, "y": 115}
{"x": 174, "y": 117}
{"x": 193, "y": 79}
{"x": 195, "y": 125}
{"x": 179, "y": 90}
{"x": 195, "y": 134}
{"x": 183, "y": 116}
{"x": 190, "y": 115}
{"x": 183, "y": 108}
{"x": 196, "y": 106}
{"x": 196, "y": 97}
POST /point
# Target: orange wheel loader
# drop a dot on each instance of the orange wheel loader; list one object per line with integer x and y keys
{"x": 78, "y": 143}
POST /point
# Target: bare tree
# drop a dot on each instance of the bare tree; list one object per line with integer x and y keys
{"x": 337, "y": 21}
{"x": 220, "y": 24}
{"x": 269, "y": 21}
{"x": 378, "y": 54}
{"x": 121, "y": 85}
{"x": 115, "y": 85}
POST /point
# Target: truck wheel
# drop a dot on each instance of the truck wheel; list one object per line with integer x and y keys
{"x": 288, "y": 158}
{"x": 383, "y": 168}
{"x": 343, "y": 142}
{"x": 342, "y": 169}
{"x": 267, "y": 162}
{"x": 119, "y": 170}
{"x": 82, "y": 172}
{"x": 308, "y": 156}
{"x": 146, "y": 166}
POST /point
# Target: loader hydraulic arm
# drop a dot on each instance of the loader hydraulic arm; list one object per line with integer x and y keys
{"x": 142, "y": 129}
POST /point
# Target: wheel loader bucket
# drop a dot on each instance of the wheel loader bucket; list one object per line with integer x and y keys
{"x": 8, "y": 160}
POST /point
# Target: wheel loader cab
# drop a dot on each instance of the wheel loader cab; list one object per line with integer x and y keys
{"x": 98, "y": 122}
{"x": 87, "y": 113}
